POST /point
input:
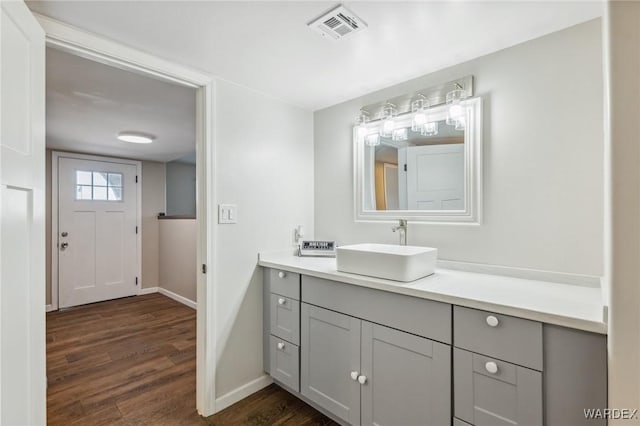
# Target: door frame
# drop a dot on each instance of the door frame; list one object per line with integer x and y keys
{"x": 55, "y": 209}
{"x": 91, "y": 46}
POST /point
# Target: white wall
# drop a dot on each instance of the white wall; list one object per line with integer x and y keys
{"x": 543, "y": 167}
{"x": 264, "y": 161}
{"x": 181, "y": 189}
{"x": 177, "y": 255}
{"x": 624, "y": 269}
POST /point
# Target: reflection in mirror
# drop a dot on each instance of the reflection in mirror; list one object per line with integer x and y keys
{"x": 416, "y": 172}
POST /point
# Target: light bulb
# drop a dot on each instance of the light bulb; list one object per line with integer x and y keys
{"x": 387, "y": 128}
{"x": 361, "y": 125}
{"x": 373, "y": 140}
{"x": 388, "y": 123}
{"x": 430, "y": 129}
{"x": 400, "y": 134}
{"x": 460, "y": 124}
{"x": 455, "y": 111}
{"x": 418, "y": 109}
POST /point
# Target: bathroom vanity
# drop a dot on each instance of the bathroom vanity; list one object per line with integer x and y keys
{"x": 455, "y": 348}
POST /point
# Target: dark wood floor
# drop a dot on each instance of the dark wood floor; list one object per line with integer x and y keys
{"x": 132, "y": 361}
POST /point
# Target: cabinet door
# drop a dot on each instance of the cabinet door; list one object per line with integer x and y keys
{"x": 490, "y": 392}
{"x": 330, "y": 353}
{"x": 408, "y": 378}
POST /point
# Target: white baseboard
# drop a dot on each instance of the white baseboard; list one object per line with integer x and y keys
{"x": 50, "y": 308}
{"x": 171, "y": 295}
{"x": 148, "y": 290}
{"x": 242, "y": 392}
{"x": 178, "y": 298}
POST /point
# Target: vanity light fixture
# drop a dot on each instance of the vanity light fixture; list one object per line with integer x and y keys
{"x": 389, "y": 112}
{"x": 136, "y": 137}
{"x": 455, "y": 111}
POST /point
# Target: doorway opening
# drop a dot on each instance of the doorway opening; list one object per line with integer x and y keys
{"x": 123, "y": 220}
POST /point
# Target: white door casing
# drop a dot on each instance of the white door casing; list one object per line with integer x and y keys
{"x": 91, "y": 46}
{"x": 435, "y": 177}
{"x": 98, "y": 229}
{"x": 22, "y": 215}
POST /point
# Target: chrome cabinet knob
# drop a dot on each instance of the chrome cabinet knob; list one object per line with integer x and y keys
{"x": 491, "y": 367}
{"x": 354, "y": 376}
{"x": 281, "y": 274}
{"x": 281, "y": 346}
{"x": 64, "y": 245}
{"x": 492, "y": 321}
{"x": 282, "y": 301}
{"x": 362, "y": 379}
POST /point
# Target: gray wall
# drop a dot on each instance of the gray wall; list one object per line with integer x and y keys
{"x": 153, "y": 202}
{"x": 543, "y": 159}
{"x": 181, "y": 188}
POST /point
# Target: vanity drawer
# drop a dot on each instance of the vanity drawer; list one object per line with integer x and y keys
{"x": 491, "y": 392}
{"x": 414, "y": 315}
{"x": 284, "y": 283}
{"x": 285, "y": 363}
{"x": 285, "y": 318}
{"x": 501, "y": 336}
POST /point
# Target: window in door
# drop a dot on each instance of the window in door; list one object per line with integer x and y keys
{"x": 98, "y": 186}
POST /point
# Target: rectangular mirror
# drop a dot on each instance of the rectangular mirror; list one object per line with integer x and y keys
{"x": 431, "y": 174}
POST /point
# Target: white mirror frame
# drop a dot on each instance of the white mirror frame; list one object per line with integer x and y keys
{"x": 472, "y": 213}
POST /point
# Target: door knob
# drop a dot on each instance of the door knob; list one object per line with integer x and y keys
{"x": 64, "y": 245}
{"x": 362, "y": 379}
{"x": 354, "y": 375}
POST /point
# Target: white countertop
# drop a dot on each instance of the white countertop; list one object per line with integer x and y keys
{"x": 568, "y": 305}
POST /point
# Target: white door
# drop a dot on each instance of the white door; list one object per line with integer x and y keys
{"x": 97, "y": 230}
{"x": 22, "y": 298}
{"x": 435, "y": 177}
{"x": 391, "y": 186}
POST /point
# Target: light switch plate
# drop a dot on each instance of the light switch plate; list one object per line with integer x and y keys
{"x": 227, "y": 213}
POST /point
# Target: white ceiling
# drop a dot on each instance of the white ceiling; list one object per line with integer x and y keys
{"x": 268, "y": 47}
{"x": 89, "y": 103}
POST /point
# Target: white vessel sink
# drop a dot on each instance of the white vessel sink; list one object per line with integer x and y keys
{"x": 392, "y": 262}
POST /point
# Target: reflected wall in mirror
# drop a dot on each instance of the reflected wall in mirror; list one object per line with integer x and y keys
{"x": 432, "y": 175}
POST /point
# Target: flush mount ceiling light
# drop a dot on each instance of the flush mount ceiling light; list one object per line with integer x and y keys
{"x": 135, "y": 137}
{"x": 338, "y": 23}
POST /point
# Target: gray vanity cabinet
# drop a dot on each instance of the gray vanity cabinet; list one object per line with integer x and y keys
{"x": 491, "y": 392}
{"x": 369, "y": 374}
{"x": 408, "y": 378}
{"x": 330, "y": 353}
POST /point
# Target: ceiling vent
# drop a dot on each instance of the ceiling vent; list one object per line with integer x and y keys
{"x": 337, "y": 24}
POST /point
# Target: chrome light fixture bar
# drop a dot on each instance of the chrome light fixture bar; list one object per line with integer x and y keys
{"x": 431, "y": 96}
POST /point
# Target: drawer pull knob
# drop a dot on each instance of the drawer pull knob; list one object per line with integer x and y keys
{"x": 282, "y": 301}
{"x": 281, "y": 346}
{"x": 491, "y": 367}
{"x": 362, "y": 379}
{"x": 281, "y": 274}
{"x": 492, "y": 321}
{"x": 354, "y": 376}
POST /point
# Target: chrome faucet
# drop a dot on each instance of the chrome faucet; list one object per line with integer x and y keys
{"x": 402, "y": 230}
